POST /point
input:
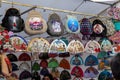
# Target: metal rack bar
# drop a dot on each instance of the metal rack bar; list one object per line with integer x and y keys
{"x": 52, "y": 9}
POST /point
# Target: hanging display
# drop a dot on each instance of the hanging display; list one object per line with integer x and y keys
{"x": 55, "y": 25}
{"x": 38, "y": 45}
{"x": 72, "y": 24}
{"x": 35, "y": 24}
{"x": 12, "y": 20}
{"x": 18, "y": 43}
{"x": 35, "y": 62}
{"x": 75, "y": 47}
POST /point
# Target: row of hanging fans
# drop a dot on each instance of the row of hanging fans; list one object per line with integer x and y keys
{"x": 53, "y": 64}
{"x": 35, "y": 24}
{"x": 18, "y": 43}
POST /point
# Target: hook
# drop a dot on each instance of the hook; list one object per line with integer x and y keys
{"x": 84, "y": 16}
{"x": 0, "y": 3}
{"x": 44, "y": 10}
{"x": 12, "y": 4}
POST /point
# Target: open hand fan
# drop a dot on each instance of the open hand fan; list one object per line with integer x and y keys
{"x": 57, "y": 46}
{"x": 75, "y": 47}
{"x": 38, "y": 45}
{"x": 18, "y": 43}
{"x": 92, "y": 47}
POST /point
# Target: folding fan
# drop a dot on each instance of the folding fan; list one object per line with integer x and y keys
{"x": 36, "y": 76}
{"x": 75, "y": 47}
{"x": 44, "y": 71}
{"x": 53, "y": 63}
{"x": 14, "y": 67}
{"x": 65, "y": 75}
{"x": 55, "y": 73}
{"x": 12, "y": 57}
{"x": 91, "y": 72}
{"x": 57, "y": 46}
{"x": 64, "y": 64}
{"x": 91, "y": 60}
{"x": 24, "y": 57}
{"x": 25, "y": 75}
{"x": 76, "y": 60}
{"x": 102, "y": 55}
{"x": 77, "y": 71}
{"x": 38, "y": 45}
{"x": 104, "y": 64}
{"x": 92, "y": 47}
{"x": 18, "y": 43}
{"x": 106, "y": 45}
{"x": 104, "y": 75}
{"x": 43, "y": 63}
{"x": 24, "y": 66}
{"x": 36, "y": 66}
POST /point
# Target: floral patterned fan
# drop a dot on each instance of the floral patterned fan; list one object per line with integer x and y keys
{"x": 18, "y": 43}
{"x": 106, "y": 45}
{"x": 75, "y": 46}
{"x": 38, "y": 45}
{"x": 57, "y": 46}
{"x": 92, "y": 47}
